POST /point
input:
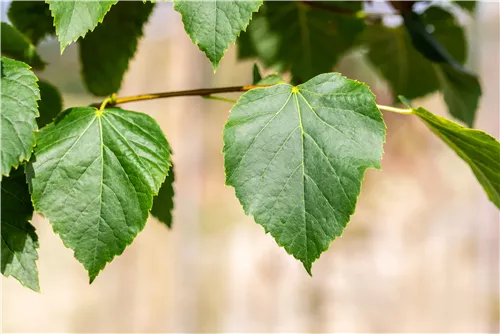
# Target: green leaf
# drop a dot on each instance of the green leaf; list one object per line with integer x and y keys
{"x": 256, "y": 74}
{"x": 296, "y": 157}
{"x": 163, "y": 203}
{"x": 292, "y": 36}
{"x": 214, "y": 25}
{"x": 94, "y": 177}
{"x": 19, "y": 93}
{"x": 17, "y": 46}
{"x": 32, "y": 18}
{"x": 19, "y": 240}
{"x": 105, "y": 52}
{"x": 461, "y": 91}
{"x": 50, "y": 104}
{"x": 478, "y": 149}
{"x": 271, "y": 79}
{"x": 408, "y": 72}
{"x": 469, "y": 6}
{"x": 73, "y": 19}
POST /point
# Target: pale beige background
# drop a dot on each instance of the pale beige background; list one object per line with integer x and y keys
{"x": 419, "y": 255}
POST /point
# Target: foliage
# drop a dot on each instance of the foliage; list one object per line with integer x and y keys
{"x": 296, "y": 154}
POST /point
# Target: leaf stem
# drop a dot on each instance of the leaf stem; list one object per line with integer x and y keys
{"x": 219, "y": 98}
{"x": 204, "y": 92}
{"x": 396, "y": 110}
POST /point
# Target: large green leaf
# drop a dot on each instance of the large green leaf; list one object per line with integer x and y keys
{"x": 19, "y": 93}
{"x": 214, "y": 25}
{"x": 296, "y": 157}
{"x": 73, "y": 19}
{"x": 17, "y": 46}
{"x": 50, "y": 104}
{"x": 106, "y": 51}
{"x": 478, "y": 149}
{"x": 94, "y": 177}
{"x": 406, "y": 70}
{"x": 292, "y": 36}
{"x": 163, "y": 203}
{"x": 32, "y": 18}
{"x": 19, "y": 240}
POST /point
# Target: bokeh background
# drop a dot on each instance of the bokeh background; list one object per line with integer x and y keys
{"x": 421, "y": 253}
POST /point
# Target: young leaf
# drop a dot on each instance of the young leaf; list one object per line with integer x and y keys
{"x": 106, "y": 51}
{"x": 50, "y": 104}
{"x": 32, "y": 18}
{"x": 296, "y": 157}
{"x": 214, "y": 25}
{"x": 17, "y": 46}
{"x": 73, "y": 19}
{"x": 163, "y": 203}
{"x": 461, "y": 91}
{"x": 478, "y": 149}
{"x": 19, "y": 240}
{"x": 94, "y": 177}
{"x": 19, "y": 93}
{"x": 292, "y": 36}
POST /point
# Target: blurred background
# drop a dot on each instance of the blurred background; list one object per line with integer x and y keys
{"x": 421, "y": 253}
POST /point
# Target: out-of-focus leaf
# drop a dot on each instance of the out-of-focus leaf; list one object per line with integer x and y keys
{"x": 32, "y": 18}
{"x": 15, "y": 45}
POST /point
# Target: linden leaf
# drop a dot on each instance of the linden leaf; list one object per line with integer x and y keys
{"x": 73, "y": 19}
{"x": 296, "y": 157}
{"x": 94, "y": 177}
{"x": 32, "y": 18}
{"x": 19, "y": 95}
{"x": 19, "y": 240}
{"x": 214, "y": 25}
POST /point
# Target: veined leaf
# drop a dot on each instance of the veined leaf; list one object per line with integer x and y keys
{"x": 106, "y": 51}
{"x": 50, "y": 104}
{"x": 214, "y": 25}
{"x": 478, "y": 149}
{"x": 163, "y": 203}
{"x": 32, "y": 18}
{"x": 19, "y": 93}
{"x": 19, "y": 240}
{"x": 296, "y": 157}
{"x": 94, "y": 177}
{"x": 292, "y": 36}
{"x": 73, "y": 19}
{"x": 17, "y": 46}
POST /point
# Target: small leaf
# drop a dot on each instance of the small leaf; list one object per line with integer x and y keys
{"x": 478, "y": 149}
{"x": 256, "y": 74}
{"x": 32, "y": 18}
{"x": 17, "y": 46}
{"x": 296, "y": 157}
{"x": 461, "y": 91}
{"x": 19, "y": 240}
{"x": 105, "y": 52}
{"x": 163, "y": 203}
{"x": 94, "y": 177}
{"x": 73, "y": 19}
{"x": 214, "y": 25}
{"x": 19, "y": 93}
{"x": 292, "y": 36}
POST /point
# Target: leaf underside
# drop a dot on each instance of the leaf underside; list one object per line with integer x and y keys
{"x": 94, "y": 176}
{"x": 19, "y": 240}
{"x": 19, "y": 95}
{"x": 296, "y": 157}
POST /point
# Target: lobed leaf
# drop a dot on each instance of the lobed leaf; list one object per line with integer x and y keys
{"x": 214, "y": 25}
{"x": 73, "y": 19}
{"x": 19, "y": 240}
{"x": 94, "y": 177}
{"x": 19, "y": 95}
{"x": 105, "y": 52}
{"x": 296, "y": 157}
